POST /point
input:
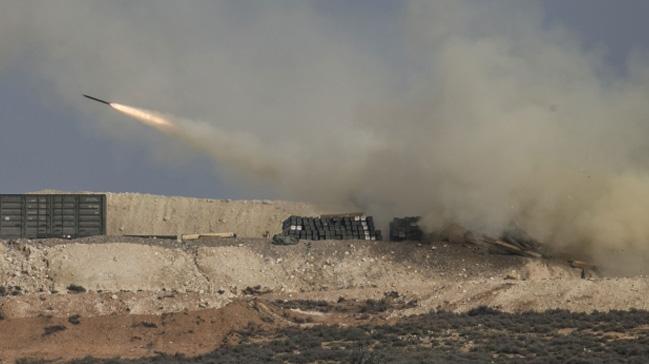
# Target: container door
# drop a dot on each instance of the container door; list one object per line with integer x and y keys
{"x": 11, "y": 216}
{"x": 64, "y": 216}
{"x": 91, "y": 215}
{"x": 37, "y": 216}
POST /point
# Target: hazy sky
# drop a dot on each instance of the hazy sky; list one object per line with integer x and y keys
{"x": 51, "y": 137}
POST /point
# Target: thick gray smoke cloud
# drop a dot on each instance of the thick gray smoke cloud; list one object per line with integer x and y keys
{"x": 491, "y": 117}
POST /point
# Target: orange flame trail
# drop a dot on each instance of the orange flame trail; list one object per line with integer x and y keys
{"x": 147, "y": 118}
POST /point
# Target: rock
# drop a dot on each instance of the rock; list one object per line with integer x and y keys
{"x": 455, "y": 234}
{"x": 74, "y": 319}
{"x": 74, "y": 288}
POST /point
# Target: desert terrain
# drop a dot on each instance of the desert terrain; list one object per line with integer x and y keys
{"x": 244, "y": 299}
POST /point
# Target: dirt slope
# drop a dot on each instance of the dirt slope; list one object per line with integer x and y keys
{"x": 146, "y": 214}
{"x": 130, "y": 213}
{"x": 180, "y": 288}
{"x": 441, "y": 275}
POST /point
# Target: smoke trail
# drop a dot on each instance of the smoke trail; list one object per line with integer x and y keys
{"x": 239, "y": 151}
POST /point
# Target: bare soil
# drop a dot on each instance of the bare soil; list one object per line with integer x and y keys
{"x": 245, "y": 299}
{"x": 146, "y": 214}
{"x": 123, "y": 335}
{"x": 259, "y": 331}
{"x": 137, "y": 298}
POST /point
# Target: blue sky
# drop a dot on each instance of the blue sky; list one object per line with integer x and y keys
{"x": 47, "y": 143}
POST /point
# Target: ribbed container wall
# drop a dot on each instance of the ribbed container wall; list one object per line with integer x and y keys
{"x": 52, "y": 216}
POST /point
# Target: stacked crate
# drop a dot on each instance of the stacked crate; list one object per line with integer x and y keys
{"x": 331, "y": 228}
{"x": 406, "y": 228}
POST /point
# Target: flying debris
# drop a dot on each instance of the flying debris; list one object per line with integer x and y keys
{"x": 96, "y": 99}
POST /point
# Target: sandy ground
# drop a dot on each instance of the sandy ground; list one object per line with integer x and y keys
{"x": 122, "y": 335}
{"x": 113, "y": 283}
{"x": 117, "y": 296}
{"x": 146, "y": 214}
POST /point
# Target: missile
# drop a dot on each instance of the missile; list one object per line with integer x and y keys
{"x": 96, "y": 99}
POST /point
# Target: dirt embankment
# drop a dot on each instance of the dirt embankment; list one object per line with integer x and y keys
{"x": 184, "y": 290}
{"x": 439, "y": 275}
{"x": 130, "y": 213}
{"x": 146, "y": 214}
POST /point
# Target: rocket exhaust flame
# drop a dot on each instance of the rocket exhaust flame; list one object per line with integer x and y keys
{"x": 145, "y": 117}
{"x": 148, "y": 118}
{"x": 235, "y": 149}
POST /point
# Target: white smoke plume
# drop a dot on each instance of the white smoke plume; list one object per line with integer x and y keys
{"x": 237, "y": 150}
{"x": 491, "y": 117}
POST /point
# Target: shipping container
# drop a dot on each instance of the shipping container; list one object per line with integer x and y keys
{"x": 52, "y": 216}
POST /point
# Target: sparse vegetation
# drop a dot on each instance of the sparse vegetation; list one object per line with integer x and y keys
{"x": 146, "y": 325}
{"x": 49, "y": 330}
{"x": 347, "y": 306}
{"x": 480, "y": 335}
{"x": 10, "y": 291}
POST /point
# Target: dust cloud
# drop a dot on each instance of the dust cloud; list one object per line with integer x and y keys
{"x": 487, "y": 116}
